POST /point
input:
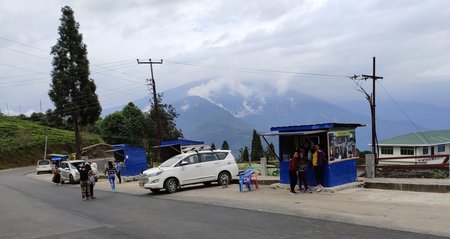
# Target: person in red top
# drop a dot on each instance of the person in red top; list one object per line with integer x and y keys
{"x": 293, "y": 167}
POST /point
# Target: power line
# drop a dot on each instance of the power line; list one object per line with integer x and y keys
{"x": 405, "y": 114}
{"x": 255, "y": 70}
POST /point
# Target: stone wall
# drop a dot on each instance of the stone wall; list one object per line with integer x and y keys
{"x": 411, "y": 173}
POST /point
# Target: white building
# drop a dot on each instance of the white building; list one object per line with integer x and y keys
{"x": 416, "y": 144}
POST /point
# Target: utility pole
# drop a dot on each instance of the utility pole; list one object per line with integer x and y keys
{"x": 374, "y": 77}
{"x": 155, "y": 100}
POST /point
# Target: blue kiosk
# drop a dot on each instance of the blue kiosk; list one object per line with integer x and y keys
{"x": 134, "y": 158}
{"x": 338, "y": 140}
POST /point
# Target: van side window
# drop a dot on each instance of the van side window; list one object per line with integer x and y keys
{"x": 192, "y": 159}
{"x": 206, "y": 157}
{"x": 221, "y": 155}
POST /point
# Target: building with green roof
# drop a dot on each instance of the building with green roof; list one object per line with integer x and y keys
{"x": 435, "y": 142}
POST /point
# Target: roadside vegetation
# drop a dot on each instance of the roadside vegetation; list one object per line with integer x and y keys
{"x": 22, "y": 141}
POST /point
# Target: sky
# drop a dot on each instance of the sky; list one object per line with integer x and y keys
{"x": 309, "y": 46}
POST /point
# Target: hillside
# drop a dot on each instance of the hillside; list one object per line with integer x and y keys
{"x": 22, "y": 142}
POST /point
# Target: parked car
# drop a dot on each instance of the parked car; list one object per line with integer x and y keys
{"x": 69, "y": 170}
{"x": 44, "y": 166}
{"x": 189, "y": 168}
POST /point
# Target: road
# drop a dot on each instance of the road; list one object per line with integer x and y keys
{"x": 34, "y": 209}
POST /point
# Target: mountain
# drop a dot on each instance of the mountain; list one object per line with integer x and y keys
{"x": 212, "y": 111}
{"x": 426, "y": 116}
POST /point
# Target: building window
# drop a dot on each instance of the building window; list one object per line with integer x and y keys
{"x": 441, "y": 148}
{"x": 387, "y": 150}
{"x": 425, "y": 150}
{"x": 407, "y": 150}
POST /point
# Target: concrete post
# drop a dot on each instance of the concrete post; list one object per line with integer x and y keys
{"x": 370, "y": 165}
{"x": 263, "y": 166}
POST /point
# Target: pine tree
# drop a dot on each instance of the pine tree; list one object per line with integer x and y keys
{"x": 225, "y": 145}
{"x": 257, "y": 149}
{"x": 270, "y": 152}
{"x": 213, "y": 146}
{"x": 245, "y": 157}
{"x": 72, "y": 91}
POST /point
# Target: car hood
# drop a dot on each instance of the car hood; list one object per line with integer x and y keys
{"x": 154, "y": 170}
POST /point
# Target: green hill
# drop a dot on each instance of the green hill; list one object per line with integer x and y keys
{"x": 22, "y": 142}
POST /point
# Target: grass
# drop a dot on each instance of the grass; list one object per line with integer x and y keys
{"x": 22, "y": 142}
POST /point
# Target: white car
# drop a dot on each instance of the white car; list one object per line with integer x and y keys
{"x": 44, "y": 166}
{"x": 69, "y": 170}
{"x": 189, "y": 168}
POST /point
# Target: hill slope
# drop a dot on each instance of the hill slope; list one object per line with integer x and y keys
{"x": 22, "y": 142}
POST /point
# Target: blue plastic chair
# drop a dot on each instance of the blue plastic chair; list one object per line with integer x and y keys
{"x": 245, "y": 179}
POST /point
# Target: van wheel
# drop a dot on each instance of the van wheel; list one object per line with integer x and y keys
{"x": 224, "y": 177}
{"x": 171, "y": 185}
{"x": 71, "y": 181}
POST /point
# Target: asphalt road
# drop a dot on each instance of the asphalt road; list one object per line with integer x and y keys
{"x": 36, "y": 209}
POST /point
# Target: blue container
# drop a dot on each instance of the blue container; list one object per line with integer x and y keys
{"x": 340, "y": 172}
{"x": 284, "y": 172}
{"x": 337, "y": 173}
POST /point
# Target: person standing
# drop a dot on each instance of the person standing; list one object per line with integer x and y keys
{"x": 119, "y": 169}
{"x": 56, "y": 176}
{"x": 293, "y": 168}
{"x": 318, "y": 160}
{"x": 111, "y": 173}
{"x": 91, "y": 180}
{"x": 84, "y": 177}
{"x": 307, "y": 150}
{"x": 302, "y": 166}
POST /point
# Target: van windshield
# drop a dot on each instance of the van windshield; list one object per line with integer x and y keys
{"x": 172, "y": 161}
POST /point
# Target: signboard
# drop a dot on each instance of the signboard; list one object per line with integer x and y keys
{"x": 341, "y": 145}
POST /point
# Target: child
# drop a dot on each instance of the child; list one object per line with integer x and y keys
{"x": 302, "y": 165}
{"x": 56, "y": 176}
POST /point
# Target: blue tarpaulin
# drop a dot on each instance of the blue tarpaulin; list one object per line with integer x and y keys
{"x": 180, "y": 141}
{"x": 133, "y": 156}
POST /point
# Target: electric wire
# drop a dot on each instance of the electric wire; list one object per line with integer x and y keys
{"x": 423, "y": 138}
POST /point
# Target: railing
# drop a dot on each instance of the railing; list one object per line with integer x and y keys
{"x": 416, "y": 164}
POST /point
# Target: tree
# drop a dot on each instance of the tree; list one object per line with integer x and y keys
{"x": 135, "y": 124}
{"x": 269, "y": 152}
{"x": 225, "y": 145}
{"x": 125, "y": 127}
{"x": 213, "y": 146}
{"x": 167, "y": 116}
{"x": 257, "y": 149}
{"x": 244, "y": 155}
{"x": 114, "y": 129}
{"x": 71, "y": 90}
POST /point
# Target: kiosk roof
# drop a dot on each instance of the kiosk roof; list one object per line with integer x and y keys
{"x": 311, "y": 127}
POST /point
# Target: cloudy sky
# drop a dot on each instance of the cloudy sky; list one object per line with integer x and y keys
{"x": 234, "y": 43}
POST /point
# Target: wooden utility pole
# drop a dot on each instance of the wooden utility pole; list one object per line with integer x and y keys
{"x": 372, "y": 110}
{"x": 155, "y": 99}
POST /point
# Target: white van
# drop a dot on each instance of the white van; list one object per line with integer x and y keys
{"x": 188, "y": 168}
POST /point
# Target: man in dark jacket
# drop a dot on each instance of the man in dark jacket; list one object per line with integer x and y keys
{"x": 84, "y": 176}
